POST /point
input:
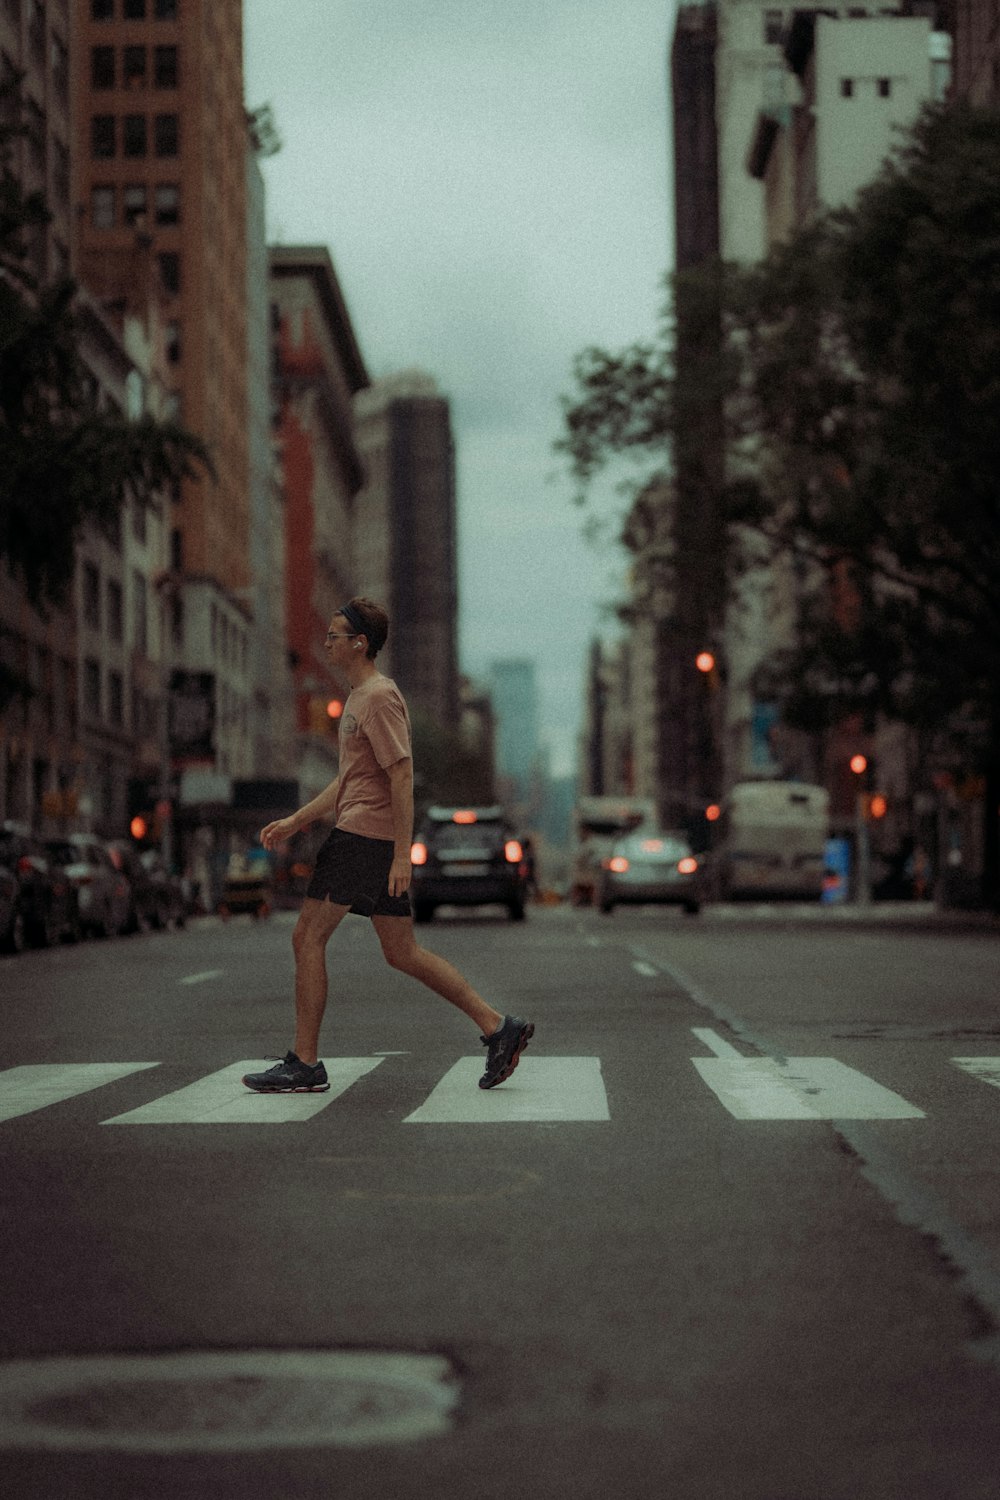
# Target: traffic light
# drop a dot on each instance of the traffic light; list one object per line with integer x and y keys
{"x": 138, "y": 828}
{"x": 334, "y": 709}
{"x": 859, "y": 764}
{"x": 876, "y": 806}
{"x": 705, "y": 662}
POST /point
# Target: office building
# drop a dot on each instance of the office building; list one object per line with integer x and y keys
{"x": 405, "y": 531}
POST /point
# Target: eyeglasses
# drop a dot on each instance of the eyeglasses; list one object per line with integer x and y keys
{"x": 331, "y": 635}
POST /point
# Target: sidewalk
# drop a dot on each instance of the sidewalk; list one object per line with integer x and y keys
{"x": 874, "y": 914}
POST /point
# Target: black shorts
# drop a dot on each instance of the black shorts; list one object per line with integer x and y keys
{"x": 354, "y": 871}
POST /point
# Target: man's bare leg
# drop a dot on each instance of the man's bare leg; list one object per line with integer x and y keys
{"x": 402, "y": 951}
{"x": 318, "y": 921}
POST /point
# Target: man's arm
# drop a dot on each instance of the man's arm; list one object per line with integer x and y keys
{"x": 321, "y": 806}
{"x": 401, "y": 789}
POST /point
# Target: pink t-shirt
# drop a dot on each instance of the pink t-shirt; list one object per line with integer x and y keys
{"x": 374, "y": 734}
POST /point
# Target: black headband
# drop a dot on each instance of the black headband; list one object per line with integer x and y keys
{"x": 353, "y": 619}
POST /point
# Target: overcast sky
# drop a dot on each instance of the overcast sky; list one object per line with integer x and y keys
{"x": 492, "y": 180}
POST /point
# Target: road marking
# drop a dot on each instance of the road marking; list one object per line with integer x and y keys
{"x": 715, "y": 1043}
{"x": 201, "y": 978}
{"x": 36, "y": 1085}
{"x": 541, "y": 1088}
{"x": 223, "y": 1099}
{"x": 801, "y": 1088}
{"x": 986, "y": 1068}
{"x": 646, "y": 970}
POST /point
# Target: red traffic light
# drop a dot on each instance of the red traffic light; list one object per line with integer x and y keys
{"x": 713, "y": 812}
{"x": 859, "y": 764}
{"x": 705, "y": 661}
{"x": 137, "y": 828}
{"x": 878, "y": 806}
{"x": 334, "y": 708}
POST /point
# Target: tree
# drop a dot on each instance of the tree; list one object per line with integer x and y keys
{"x": 861, "y": 372}
{"x": 66, "y": 462}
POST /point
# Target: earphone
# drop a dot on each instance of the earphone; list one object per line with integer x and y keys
{"x": 358, "y": 646}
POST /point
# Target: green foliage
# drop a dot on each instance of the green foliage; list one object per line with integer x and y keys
{"x": 66, "y": 462}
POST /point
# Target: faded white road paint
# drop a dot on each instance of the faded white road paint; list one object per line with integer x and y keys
{"x": 36, "y": 1085}
{"x": 223, "y": 1099}
{"x": 802, "y": 1088}
{"x": 540, "y": 1088}
{"x": 202, "y": 977}
{"x": 985, "y": 1068}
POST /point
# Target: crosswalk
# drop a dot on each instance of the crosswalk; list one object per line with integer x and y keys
{"x": 542, "y": 1090}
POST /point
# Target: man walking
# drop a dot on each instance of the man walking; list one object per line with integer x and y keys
{"x": 364, "y": 865}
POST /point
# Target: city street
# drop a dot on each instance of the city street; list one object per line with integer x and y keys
{"x": 731, "y": 1231}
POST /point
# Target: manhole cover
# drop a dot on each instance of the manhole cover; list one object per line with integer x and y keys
{"x": 201, "y": 1403}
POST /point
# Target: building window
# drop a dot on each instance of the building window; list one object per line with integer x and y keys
{"x": 166, "y": 135}
{"x": 60, "y": 172}
{"x": 134, "y": 67}
{"x": 134, "y": 10}
{"x": 92, "y": 595}
{"x": 847, "y": 88}
{"x": 102, "y": 67}
{"x": 165, "y": 10}
{"x": 60, "y": 67}
{"x": 141, "y": 613}
{"x": 165, "y": 70}
{"x": 170, "y": 271}
{"x": 102, "y": 10}
{"x": 884, "y": 88}
{"x": 774, "y": 25}
{"x": 134, "y": 203}
{"x": 102, "y": 207}
{"x": 134, "y": 135}
{"x": 92, "y": 688}
{"x": 168, "y": 203}
{"x": 116, "y": 698}
{"x": 172, "y": 343}
{"x": 102, "y": 136}
{"x": 116, "y": 617}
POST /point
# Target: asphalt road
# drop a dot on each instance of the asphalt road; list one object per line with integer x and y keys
{"x": 732, "y": 1229}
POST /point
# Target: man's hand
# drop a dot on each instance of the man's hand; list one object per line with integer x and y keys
{"x": 278, "y": 832}
{"x": 399, "y": 875}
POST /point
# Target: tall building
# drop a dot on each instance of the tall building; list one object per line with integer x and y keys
{"x": 161, "y": 179}
{"x": 405, "y": 531}
{"x": 975, "y": 25}
{"x": 318, "y": 370}
{"x": 515, "y": 706}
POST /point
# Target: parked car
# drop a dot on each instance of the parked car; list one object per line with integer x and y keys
{"x": 46, "y": 908}
{"x": 650, "y": 867}
{"x": 102, "y": 891}
{"x": 12, "y": 934}
{"x": 467, "y": 856}
{"x": 154, "y": 900}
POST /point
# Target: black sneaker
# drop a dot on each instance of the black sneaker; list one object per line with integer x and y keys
{"x": 289, "y": 1077}
{"x": 505, "y": 1048}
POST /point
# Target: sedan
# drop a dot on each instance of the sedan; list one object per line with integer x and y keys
{"x": 103, "y": 894}
{"x": 650, "y": 867}
{"x": 45, "y": 908}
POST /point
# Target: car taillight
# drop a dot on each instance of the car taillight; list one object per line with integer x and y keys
{"x": 418, "y": 854}
{"x": 687, "y": 866}
{"x": 512, "y": 852}
{"x": 619, "y": 865}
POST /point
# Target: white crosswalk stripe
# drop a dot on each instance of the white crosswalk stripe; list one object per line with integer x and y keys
{"x": 36, "y": 1085}
{"x": 986, "y": 1068}
{"x": 223, "y": 1099}
{"x": 540, "y": 1088}
{"x": 801, "y": 1088}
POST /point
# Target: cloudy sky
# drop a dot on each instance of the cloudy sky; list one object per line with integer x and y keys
{"x": 492, "y": 180}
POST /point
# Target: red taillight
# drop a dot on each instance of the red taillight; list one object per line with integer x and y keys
{"x": 619, "y": 865}
{"x": 465, "y": 817}
{"x": 418, "y": 854}
{"x": 687, "y": 866}
{"x": 512, "y": 852}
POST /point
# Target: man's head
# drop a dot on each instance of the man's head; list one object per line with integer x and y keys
{"x": 367, "y": 620}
